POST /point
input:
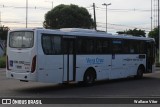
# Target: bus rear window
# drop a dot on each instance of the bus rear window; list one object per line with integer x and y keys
{"x": 21, "y": 39}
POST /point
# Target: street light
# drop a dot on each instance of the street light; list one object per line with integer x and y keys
{"x": 106, "y": 12}
{"x": 26, "y": 13}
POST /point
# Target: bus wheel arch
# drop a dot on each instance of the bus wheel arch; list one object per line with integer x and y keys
{"x": 89, "y": 76}
{"x": 140, "y": 71}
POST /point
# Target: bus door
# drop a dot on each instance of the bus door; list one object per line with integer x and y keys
{"x": 150, "y": 56}
{"x": 69, "y": 58}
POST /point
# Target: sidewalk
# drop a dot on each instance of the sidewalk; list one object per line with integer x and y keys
{"x": 2, "y": 69}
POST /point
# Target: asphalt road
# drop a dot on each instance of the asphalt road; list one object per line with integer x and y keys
{"x": 149, "y": 86}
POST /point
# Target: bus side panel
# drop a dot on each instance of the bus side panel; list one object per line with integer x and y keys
{"x": 101, "y": 64}
{"x": 118, "y": 69}
{"x": 126, "y": 65}
{"x": 132, "y": 63}
{"x": 40, "y": 60}
{"x": 50, "y": 67}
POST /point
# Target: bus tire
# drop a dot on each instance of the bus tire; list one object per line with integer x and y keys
{"x": 89, "y": 77}
{"x": 140, "y": 71}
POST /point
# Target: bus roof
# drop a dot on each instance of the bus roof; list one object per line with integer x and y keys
{"x": 83, "y": 32}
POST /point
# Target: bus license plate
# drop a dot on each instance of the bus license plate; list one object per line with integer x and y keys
{"x": 19, "y": 67}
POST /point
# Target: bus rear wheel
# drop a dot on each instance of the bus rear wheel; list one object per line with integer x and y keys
{"x": 89, "y": 77}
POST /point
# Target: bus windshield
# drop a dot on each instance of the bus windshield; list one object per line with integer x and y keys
{"x": 21, "y": 39}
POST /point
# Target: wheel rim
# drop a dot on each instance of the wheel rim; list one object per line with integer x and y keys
{"x": 89, "y": 79}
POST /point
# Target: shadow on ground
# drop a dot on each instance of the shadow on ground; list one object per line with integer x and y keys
{"x": 115, "y": 86}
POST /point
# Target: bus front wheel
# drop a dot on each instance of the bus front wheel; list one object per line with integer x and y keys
{"x": 89, "y": 77}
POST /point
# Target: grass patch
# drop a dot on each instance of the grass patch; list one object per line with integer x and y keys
{"x": 3, "y": 62}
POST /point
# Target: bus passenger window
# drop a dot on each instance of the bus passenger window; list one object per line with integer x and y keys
{"x": 133, "y": 47}
{"x": 106, "y": 47}
{"x": 85, "y": 46}
{"x": 98, "y": 47}
{"x": 46, "y": 44}
{"x": 117, "y": 46}
{"x": 51, "y": 44}
{"x": 126, "y": 48}
{"x": 56, "y": 44}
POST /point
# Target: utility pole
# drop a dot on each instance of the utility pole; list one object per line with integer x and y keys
{"x": 159, "y": 30}
{"x": 0, "y": 19}
{"x": 106, "y": 13}
{"x": 26, "y": 13}
{"x": 52, "y": 4}
{"x": 94, "y": 12}
{"x": 151, "y": 14}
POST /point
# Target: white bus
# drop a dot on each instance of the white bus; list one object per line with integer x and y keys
{"x": 76, "y": 55}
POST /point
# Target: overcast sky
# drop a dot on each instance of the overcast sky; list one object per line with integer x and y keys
{"x": 122, "y": 14}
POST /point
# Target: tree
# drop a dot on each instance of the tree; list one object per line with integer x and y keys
{"x": 154, "y": 34}
{"x": 134, "y": 32}
{"x": 3, "y": 32}
{"x": 68, "y": 16}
